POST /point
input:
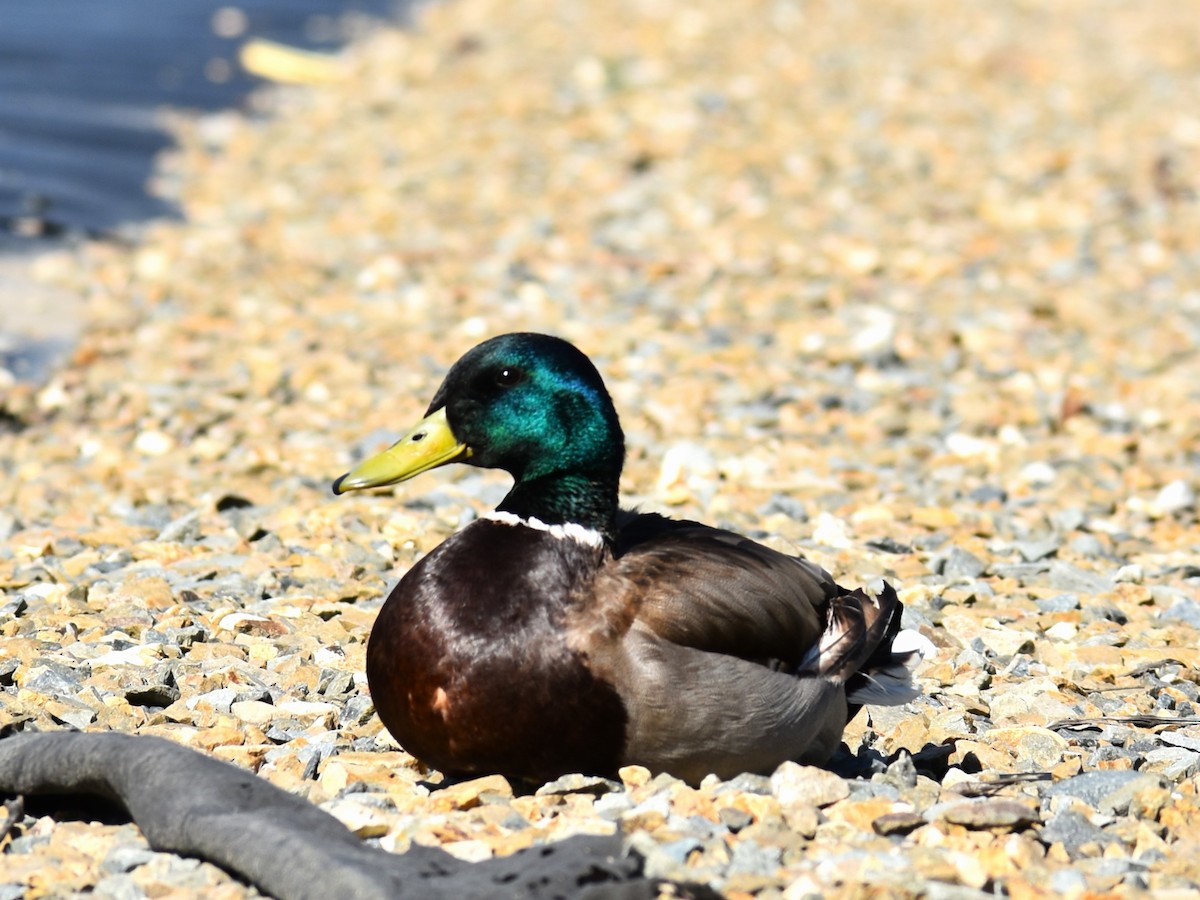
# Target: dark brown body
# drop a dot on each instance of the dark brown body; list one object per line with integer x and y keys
{"x": 474, "y": 673}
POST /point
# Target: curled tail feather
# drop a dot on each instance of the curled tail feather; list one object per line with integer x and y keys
{"x": 864, "y": 647}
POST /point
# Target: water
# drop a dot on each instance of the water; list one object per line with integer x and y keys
{"x": 82, "y": 87}
{"x": 82, "y": 82}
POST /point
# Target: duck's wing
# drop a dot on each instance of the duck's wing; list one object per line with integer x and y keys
{"x": 718, "y": 591}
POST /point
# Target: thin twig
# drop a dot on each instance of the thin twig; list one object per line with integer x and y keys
{"x": 1140, "y": 721}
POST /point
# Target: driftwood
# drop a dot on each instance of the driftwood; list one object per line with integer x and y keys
{"x": 188, "y": 803}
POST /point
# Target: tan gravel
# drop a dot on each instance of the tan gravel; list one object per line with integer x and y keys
{"x": 910, "y": 288}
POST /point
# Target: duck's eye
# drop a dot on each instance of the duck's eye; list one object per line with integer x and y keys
{"x": 509, "y": 376}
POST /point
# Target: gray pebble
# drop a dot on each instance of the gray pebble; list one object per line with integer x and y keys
{"x": 357, "y": 711}
{"x": 612, "y": 806}
{"x": 1058, "y": 603}
{"x": 678, "y": 850}
{"x": 751, "y": 858}
{"x": 902, "y": 773}
{"x": 788, "y": 506}
{"x": 876, "y": 787}
{"x": 1066, "y": 577}
{"x": 185, "y": 529}
{"x": 959, "y": 563}
{"x": 1087, "y": 545}
{"x": 1097, "y": 612}
{"x": 581, "y": 784}
{"x": 117, "y": 887}
{"x": 1108, "y": 790}
{"x": 1072, "y": 829}
{"x": 54, "y": 679}
{"x": 747, "y": 783}
{"x": 1068, "y": 520}
{"x": 987, "y": 493}
{"x": 220, "y": 699}
{"x": 1025, "y": 572}
{"x": 1173, "y": 763}
{"x": 1068, "y": 883}
{"x": 1032, "y": 551}
{"x": 1179, "y": 740}
{"x": 1186, "y": 611}
{"x": 126, "y": 858}
{"x": 656, "y": 863}
{"x": 734, "y": 819}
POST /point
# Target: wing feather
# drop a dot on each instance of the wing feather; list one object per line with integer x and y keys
{"x": 717, "y": 591}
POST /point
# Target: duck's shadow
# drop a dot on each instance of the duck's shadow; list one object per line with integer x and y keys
{"x": 932, "y": 761}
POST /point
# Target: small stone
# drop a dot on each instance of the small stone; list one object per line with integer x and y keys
{"x": 633, "y": 776}
{"x": 254, "y": 712}
{"x": 1172, "y": 763}
{"x": 362, "y": 819}
{"x": 830, "y": 531}
{"x": 1087, "y": 545}
{"x": 753, "y": 858}
{"x": 650, "y": 814}
{"x": 580, "y": 784}
{"x": 897, "y": 823}
{"x": 470, "y": 794}
{"x": 1007, "y": 642}
{"x": 1034, "y": 701}
{"x": 860, "y": 814}
{"x": 1039, "y": 474}
{"x": 1174, "y": 497}
{"x": 1032, "y": 747}
{"x": 687, "y": 471}
{"x": 117, "y": 887}
{"x": 1130, "y": 574}
{"x": 1033, "y": 551}
{"x": 960, "y": 563}
{"x": 185, "y": 528}
{"x": 471, "y": 851}
{"x": 153, "y": 443}
{"x": 934, "y": 518}
{"x": 734, "y": 819}
{"x": 1186, "y": 611}
{"x": 126, "y": 858}
{"x": 1062, "y": 631}
{"x": 1006, "y": 815}
{"x": 1058, "y": 603}
{"x": 1073, "y": 830}
{"x": 795, "y": 785}
{"x": 1066, "y": 577}
{"x": 1108, "y": 790}
{"x": 746, "y": 783}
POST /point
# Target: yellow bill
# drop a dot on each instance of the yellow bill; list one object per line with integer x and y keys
{"x": 428, "y": 445}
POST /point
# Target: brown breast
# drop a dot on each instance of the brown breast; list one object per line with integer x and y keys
{"x": 469, "y": 663}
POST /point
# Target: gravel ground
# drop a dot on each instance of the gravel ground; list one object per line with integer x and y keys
{"x": 911, "y": 289}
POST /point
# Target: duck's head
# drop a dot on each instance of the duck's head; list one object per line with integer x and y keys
{"x": 532, "y": 405}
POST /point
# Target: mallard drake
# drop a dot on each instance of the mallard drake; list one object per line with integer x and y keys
{"x": 562, "y": 634}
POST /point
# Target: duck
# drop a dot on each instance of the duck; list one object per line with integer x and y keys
{"x": 562, "y": 634}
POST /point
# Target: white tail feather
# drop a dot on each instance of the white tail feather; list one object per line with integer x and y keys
{"x": 912, "y": 643}
{"x": 892, "y": 684}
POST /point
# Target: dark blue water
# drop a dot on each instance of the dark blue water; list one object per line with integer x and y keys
{"x": 81, "y": 82}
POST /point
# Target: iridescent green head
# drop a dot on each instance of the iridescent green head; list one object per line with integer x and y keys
{"x": 530, "y": 404}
